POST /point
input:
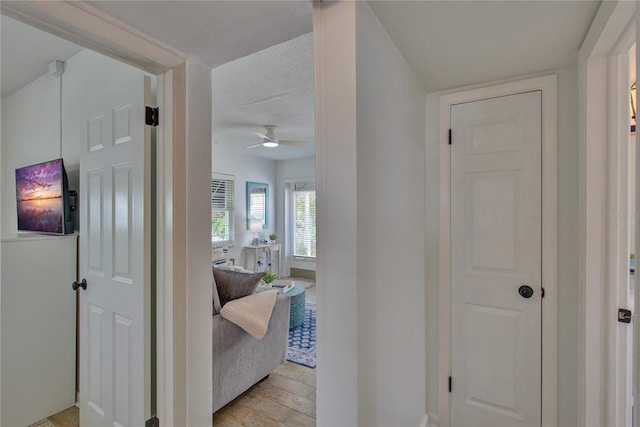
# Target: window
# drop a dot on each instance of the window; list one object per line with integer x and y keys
{"x": 304, "y": 216}
{"x": 222, "y": 210}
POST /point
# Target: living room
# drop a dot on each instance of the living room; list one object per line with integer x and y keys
{"x": 263, "y": 210}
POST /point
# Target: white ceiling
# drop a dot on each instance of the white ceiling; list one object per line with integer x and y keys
{"x": 27, "y": 52}
{"x": 215, "y": 32}
{"x": 270, "y": 87}
{"x": 450, "y": 44}
{"x": 447, "y": 43}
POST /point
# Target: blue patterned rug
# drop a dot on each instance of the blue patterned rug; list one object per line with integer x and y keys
{"x": 301, "y": 348}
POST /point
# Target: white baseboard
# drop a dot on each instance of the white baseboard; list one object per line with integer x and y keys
{"x": 425, "y": 421}
{"x": 432, "y": 420}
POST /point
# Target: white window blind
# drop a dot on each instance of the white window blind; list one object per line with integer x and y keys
{"x": 222, "y": 228}
{"x": 304, "y": 233}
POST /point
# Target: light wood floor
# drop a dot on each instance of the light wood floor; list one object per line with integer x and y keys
{"x": 286, "y": 399}
{"x": 68, "y": 418}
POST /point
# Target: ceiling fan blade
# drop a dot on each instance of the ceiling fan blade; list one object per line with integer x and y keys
{"x": 295, "y": 143}
{"x": 253, "y": 146}
{"x": 261, "y": 135}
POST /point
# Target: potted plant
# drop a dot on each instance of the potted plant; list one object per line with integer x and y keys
{"x": 273, "y": 237}
{"x": 268, "y": 278}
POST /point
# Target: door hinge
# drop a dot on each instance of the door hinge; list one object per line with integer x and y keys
{"x": 449, "y": 136}
{"x": 624, "y": 315}
{"x": 449, "y": 384}
{"x": 152, "y": 116}
{"x": 152, "y": 422}
{"x": 542, "y": 293}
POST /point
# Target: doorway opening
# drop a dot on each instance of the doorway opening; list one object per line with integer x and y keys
{"x": 85, "y": 75}
{"x": 263, "y": 220}
{"x": 621, "y": 262}
{"x": 477, "y": 180}
{"x": 610, "y": 186}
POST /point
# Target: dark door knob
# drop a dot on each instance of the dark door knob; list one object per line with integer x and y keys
{"x": 525, "y": 291}
{"x": 82, "y": 284}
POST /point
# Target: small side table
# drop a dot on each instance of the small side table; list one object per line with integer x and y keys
{"x": 268, "y": 250}
{"x": 297, "y": 311}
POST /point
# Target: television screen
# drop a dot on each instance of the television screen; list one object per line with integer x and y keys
{"x": 39, "y": 197}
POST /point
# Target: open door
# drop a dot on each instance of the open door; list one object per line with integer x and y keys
{"x": 115, "y": 259}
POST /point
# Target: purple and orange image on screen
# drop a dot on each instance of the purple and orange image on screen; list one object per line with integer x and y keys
{"x": 39, "y": 197}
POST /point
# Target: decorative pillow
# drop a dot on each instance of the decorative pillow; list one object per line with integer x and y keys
{"x": 216, "y": 298}
{"x": 234, "y": 284}
{"x": 220, "y": 256}
{"x": 252, "y": 313}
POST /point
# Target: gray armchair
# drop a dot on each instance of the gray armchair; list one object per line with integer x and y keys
{"x": 240, "y": 360}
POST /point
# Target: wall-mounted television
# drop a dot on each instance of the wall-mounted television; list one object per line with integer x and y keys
{"x": 42, "y": 198}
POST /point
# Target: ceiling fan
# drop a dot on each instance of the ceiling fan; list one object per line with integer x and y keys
{"x": 269, "y": 139}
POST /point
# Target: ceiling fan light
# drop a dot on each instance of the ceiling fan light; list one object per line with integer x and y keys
{"x": 270, "y": 144}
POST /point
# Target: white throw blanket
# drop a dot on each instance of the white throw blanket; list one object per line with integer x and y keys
{"x": 252, "y": 313}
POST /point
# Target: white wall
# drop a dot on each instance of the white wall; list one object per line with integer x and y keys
{"x": 31, "y": 125}
{"x": 39, "y": 334}
{"x": 3, "y": 168}
{"x": 391, "y": 205}
{"x": 370, "y": 136}
{"x": 567, "y": 245}
{"x": 253, "y": 169}
{"x": 287, "y": 171}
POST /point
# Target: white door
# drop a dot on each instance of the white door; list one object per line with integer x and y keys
{"x": 114, "y": 259}
{"x": 496, "y": 245}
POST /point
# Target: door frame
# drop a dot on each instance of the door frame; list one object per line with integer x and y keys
{"x": 548, "y": 86}
{"x": 82, "y": 24}
{"x": 599, "y": 79}
{"x": 617, "y": 232}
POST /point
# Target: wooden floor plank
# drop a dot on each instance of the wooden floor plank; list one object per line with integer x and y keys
{"x": 68, "y": 418}
{"x": 285, "y": 399}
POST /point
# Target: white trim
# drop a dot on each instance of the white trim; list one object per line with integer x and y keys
{"x": 216, "y": 175}
{"x": 617, "y": 231}
{"x": 80, "y": 23}
{"x": 636, "y": 320}
{"x": 322, "y": 391}
{"x": 335, "y": 132}
{"x": 309, "y": 179}
{"x": 164, "y": 249}
{"x": 433, "y": 419}
{"x": 598, "y": 71}
{"x": 548, "y": 86}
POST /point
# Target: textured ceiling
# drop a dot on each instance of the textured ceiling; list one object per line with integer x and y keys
{"x": 270, "y": 87}
{"x": 450, "y": 44}
{"x": 447, "y": 43}
{"x": 215, "y": 32}
{"x": 26, "y": 53}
